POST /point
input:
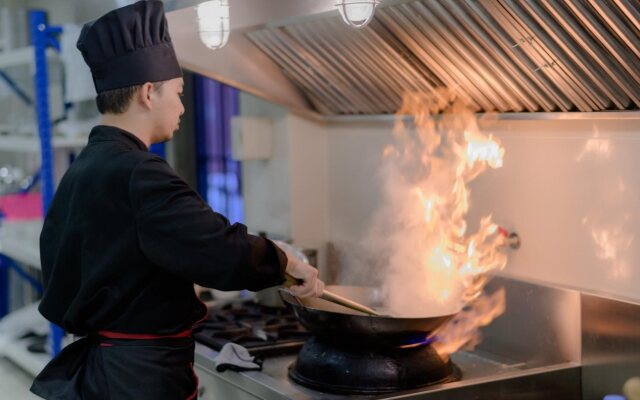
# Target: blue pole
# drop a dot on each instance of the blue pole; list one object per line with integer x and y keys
{"x": 159, "y": 149}
{"x": 200, "y": 105}
{"x": 41, "y": 37}
{"x": 41, "y": 80}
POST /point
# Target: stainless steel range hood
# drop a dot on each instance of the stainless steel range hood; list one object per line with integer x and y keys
{"x": 501, "y": 55}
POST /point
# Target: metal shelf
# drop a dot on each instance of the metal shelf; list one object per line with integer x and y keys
{"x": 20, "y": 241}
{"x": 32, "y": 144}
{"x": 44, "y": 40}
{"x": 22, "y": 56}
{"x": 16, "y": 351}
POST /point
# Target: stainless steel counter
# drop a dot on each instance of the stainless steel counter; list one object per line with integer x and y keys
{"x": 535, "y": 350}
{"x": 482, "y": 373}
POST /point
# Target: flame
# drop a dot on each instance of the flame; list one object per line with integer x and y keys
{"x": 610, "y": 229}
{"x": 462, "y": 331}
{"x": 612, "y": 243}
{"x": 435, "y": 266}
{"x": 483, "y": 149}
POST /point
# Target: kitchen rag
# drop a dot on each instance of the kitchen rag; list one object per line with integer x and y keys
{"x": 236, "y": 358}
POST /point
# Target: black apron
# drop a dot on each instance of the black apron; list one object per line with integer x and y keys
{"x": 118, "y": 366}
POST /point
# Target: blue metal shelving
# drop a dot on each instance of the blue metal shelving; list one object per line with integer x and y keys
{"x": 44, "y": 36}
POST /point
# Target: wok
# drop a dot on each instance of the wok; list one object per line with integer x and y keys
{"x": 339, "y": 324}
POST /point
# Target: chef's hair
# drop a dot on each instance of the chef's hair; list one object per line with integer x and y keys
{"x": 117, "y": 101}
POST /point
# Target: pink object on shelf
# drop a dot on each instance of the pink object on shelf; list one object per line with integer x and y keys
{"x": 20, "y": 207}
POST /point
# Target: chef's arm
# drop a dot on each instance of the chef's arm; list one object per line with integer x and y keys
{"x": 179, "y": 232}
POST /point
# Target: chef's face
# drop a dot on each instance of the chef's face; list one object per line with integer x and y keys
{"x": 167, "y": 109}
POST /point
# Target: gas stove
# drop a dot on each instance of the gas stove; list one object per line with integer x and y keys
{"x": 264, "y": 331}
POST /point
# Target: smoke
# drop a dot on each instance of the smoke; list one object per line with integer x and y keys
{"x": 430, "y": 264}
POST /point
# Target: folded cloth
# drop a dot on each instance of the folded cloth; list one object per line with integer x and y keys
{"x": 236, "y": 358}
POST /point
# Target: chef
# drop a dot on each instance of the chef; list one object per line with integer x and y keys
{"x": 125, "y": 238}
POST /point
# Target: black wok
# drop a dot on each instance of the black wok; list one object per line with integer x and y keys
{"x": 339, "y": 324}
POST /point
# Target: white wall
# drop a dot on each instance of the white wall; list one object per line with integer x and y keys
{"x": 265, "y": 184}
{"x": 569, "y": 188}
{"x": 286, "y": 195}
{"x": 355, "y": 152}
{"x": 309, "y": 197}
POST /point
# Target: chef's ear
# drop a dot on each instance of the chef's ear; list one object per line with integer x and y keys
{"x": 144, "y": 95}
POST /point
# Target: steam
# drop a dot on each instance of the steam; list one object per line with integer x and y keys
{"x": 432, "y": 265}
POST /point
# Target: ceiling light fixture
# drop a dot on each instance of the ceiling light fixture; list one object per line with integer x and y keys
{"x": 213, "y": 23}
{"x": 357, "y": 13}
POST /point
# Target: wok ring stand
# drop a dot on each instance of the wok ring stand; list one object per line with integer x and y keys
{"x": 340, "y": 368}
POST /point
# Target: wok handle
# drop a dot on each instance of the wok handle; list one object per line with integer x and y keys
{"x": 291, "y": 281}
{"x": 343, "y": 301}
{"x": 334, "y": 298}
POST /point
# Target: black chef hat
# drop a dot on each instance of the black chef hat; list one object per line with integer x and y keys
{"x": 129, "y": 46}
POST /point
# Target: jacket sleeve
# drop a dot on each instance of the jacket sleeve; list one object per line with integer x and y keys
{"x": 179, "y": 232}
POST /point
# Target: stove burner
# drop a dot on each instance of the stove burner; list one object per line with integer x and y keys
{"x": 264, "y": 331}
{"x": 347, "y": 369}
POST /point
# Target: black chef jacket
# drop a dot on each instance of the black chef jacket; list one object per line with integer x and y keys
{"x": 125, "y": 239}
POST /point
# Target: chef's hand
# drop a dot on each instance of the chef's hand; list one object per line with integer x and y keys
{"x": 311, "y": 286}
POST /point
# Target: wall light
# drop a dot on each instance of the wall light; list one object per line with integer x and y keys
{"x": 213, "y": 23}
{"x": 357, "y": 13}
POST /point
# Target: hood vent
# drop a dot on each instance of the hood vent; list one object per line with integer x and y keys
{"x": 501, "y": 55}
